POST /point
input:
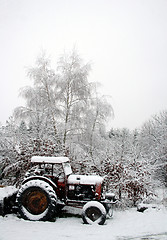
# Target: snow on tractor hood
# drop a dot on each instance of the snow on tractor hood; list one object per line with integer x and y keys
{"x": 85, "y": 179}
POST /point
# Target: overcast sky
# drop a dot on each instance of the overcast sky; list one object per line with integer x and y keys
{"x": 125, "y": 40}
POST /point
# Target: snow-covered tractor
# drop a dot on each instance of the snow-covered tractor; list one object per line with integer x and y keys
{"x": 50, "y": 185}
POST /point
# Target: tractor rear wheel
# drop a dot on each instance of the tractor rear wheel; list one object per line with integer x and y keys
{"x": 36, "y": 201}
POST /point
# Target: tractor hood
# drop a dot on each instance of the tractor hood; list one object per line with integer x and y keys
{"x": 84, "y": 179}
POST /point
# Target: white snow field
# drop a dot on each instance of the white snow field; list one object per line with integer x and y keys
{"x": 128, "y": 224}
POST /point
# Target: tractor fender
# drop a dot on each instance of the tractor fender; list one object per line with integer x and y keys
{"x": 45, "y": 179}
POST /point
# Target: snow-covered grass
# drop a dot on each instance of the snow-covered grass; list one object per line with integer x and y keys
{"x": 128, "y": 224}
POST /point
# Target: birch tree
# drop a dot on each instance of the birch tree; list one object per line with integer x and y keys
{"x": 73, "y": 91}
{"x": 41, "y": 108}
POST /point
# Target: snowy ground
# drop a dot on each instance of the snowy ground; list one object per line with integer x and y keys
{"x": 129, "y": 224}
{"x": 124, "y": 225}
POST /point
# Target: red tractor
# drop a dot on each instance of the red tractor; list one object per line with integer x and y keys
{"x": 50, "y": 185}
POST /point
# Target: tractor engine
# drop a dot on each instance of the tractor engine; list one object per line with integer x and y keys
{"x": 84, "y": 187}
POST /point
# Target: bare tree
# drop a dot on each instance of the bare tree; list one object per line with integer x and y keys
{"x": 73, "y": 92}
{"x": 41, "y": 108}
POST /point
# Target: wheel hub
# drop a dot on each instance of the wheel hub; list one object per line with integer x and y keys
{"x": 35, "y": 202}
{"x": 93, "y": 213}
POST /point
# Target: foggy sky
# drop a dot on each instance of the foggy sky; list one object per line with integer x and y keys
{"x": 125, "y": 40}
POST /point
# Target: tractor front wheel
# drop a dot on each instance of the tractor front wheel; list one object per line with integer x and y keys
{"x": 94, "y": 212}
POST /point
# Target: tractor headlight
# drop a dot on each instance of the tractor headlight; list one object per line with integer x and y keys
{"x": 110, "y": 196}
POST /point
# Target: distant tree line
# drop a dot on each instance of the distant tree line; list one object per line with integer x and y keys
{"x": 65, "y": 115}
